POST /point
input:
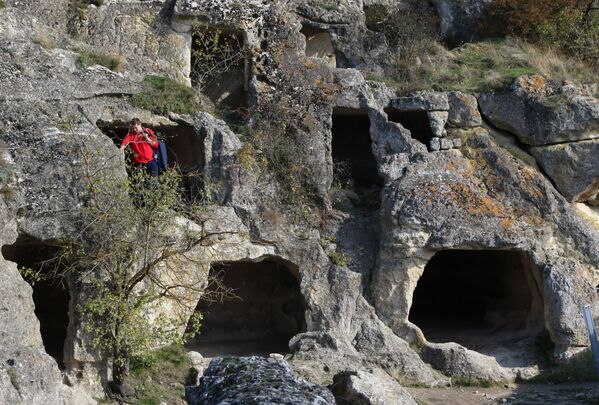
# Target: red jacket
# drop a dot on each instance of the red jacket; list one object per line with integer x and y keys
{"x": 143, "y": 151}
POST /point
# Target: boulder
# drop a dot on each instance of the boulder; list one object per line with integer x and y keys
{"x": 573, "y": 168}
{"x": 370, "y": 387}
{"x": 250, "y": 380}
{"x": 463, "y": 110}
{"x": 457, "y": 361}
{"x": 540, "y": 113}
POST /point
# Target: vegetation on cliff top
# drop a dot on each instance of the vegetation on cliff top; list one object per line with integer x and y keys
{"x": 162, "y": 95}
{"x": 558, "y": 41}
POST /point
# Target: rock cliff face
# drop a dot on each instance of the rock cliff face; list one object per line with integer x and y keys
{"x": 436, "y": 246}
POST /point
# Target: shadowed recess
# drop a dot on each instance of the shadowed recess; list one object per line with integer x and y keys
{"x": 352, "y": 150}
{"x": 417, "y": 122}
{"x": 268, "y": 308}
{"x": 184, "y": 146}
{"x": 50, "y": 296}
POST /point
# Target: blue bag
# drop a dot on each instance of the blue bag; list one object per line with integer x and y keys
{"x": 160, "y": 157}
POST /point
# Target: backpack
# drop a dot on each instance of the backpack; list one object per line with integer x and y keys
{"x": 160, "y": 157}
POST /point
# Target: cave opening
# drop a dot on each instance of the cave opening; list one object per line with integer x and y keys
{"x": 220, "y": 66}
{"x": 184, "y": 148}
{"x": 478, "y": 297}
{"x": 262, "y": 312}
{"x": 50, "y": 293}
{"x": 354, "y": 164}
{"x": 417, "y": 122}
{"x": 319, "y": 44}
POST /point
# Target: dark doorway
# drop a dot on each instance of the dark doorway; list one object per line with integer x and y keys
{"x": 467, "y": 295}
{"x": 266, "y": 311}
{"x": 416, "y": 121}
{"x": 185, "y": 150}
{"x": 219, "y": 66}
{"x": 352, "y": 149}
{"x": 50, "y": 294}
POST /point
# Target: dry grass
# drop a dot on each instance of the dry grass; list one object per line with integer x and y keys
{"x": 484, "y": 66}
{"x": 44, "y": 41}
{"x": 88, "y": 57}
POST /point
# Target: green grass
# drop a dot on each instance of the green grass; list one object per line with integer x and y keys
{"x": 578, "y": 369}
{"x": 163, "y": 95}
{"x": 159, "y": 376}
{"x": 89, "y": 58}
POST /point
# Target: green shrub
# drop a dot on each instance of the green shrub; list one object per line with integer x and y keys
{"x": 90, "y": 57}
{"x": 2, "y": 4}
{"x": 163, "y": 95}
{"x": 340, "y": 258}
{"x": 575, "y": 32}
{"x": 579, "y": 369}
{"x": 159, "y": 376}
{"x": 567, "y": 25}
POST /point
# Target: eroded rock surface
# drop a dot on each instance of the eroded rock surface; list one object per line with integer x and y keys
{"x": 255, "y": 380}
{"x": 438, "y": 182}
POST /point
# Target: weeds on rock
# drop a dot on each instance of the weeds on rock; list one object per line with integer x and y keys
{"x": 340, "y": 258}
{"x": 163, "y": 95}
{"x": 44, "y": 41}
{"x": 88, "y": 57}
{"x": 580, "y": 368}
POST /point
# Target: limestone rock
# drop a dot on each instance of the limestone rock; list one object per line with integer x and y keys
{"x": 421, "y": 101}
{"x": 437, "y": 120}
{"x": 572, "y": 167}
{"x": 463, "y": 110}
{"x": 542, "y": 113}
{"x": 254, "y": 380}
{"x": 370, "y": 387}
{"x": 455, "y": 360}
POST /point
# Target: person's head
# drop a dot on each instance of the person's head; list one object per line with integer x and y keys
{"x": 135, "y": 125}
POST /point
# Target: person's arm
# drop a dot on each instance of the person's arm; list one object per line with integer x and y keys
{"x": 126, "y": 140}
{"x": 150, "y": 138}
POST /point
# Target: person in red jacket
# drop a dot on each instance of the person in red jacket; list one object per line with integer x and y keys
{"x": 143, "y": 142}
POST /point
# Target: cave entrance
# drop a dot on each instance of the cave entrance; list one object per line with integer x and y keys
{"x": 50, "y": 294}
{"x": 185, "y": 150}
{"x": 219, "y": 66}
{"x": 354, "y": 164}
{"x": 266, "y": 311}
{"x": 482, "y": 299}
{"x": 319, "y": 44}
{"x": 417, "y": 122}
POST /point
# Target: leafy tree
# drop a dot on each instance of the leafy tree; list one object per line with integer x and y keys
{"x": 127, "y": 265}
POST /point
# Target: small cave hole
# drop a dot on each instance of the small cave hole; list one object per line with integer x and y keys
{"x": 417, "y": 122}
{"x": 219, "y": 66}
{"x": 185, "y": 150}
{"x": 481, "y": 299}
{"x": 265, "y": 310}
{"x": 354, "y": 164}
{"x": 50, "y": 294}
{"x": 319, "y": 44}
